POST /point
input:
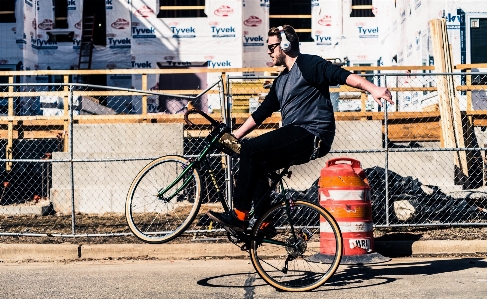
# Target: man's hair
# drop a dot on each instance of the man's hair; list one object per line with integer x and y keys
{"x": 291, "y": 36}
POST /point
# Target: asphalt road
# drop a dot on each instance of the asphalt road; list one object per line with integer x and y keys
{"x": 236, "y": 278}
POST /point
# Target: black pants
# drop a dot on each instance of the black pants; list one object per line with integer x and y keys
{"x": 268, "y": 152}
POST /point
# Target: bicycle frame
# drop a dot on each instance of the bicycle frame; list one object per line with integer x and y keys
{"x": 212, "y": 139}
{"x": 219, "y": 129}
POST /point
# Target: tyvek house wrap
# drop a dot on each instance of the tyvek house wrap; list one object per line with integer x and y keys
{"x": 209, "y": 42}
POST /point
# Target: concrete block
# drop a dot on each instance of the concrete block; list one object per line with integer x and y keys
{"x": 127, "y": 138}
{"x": 21, "y": 209}
{"x": 358, "y": 135}
{"x": 101, "y": 186}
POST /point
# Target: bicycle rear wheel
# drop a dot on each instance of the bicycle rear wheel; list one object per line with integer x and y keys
{"x": 285, "y": 246}
{"x": 159, "y": 219}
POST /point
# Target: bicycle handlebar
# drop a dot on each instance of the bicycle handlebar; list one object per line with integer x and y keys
{"x": 193, "y": 110}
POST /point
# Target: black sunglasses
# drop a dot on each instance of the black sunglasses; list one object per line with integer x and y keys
{"x": 271, "y": 47}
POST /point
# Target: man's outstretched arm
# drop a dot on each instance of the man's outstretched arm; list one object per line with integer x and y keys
{"x": 377, "y": 92}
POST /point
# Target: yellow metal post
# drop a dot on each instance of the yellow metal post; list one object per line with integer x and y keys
{"x": 66, "y": 113}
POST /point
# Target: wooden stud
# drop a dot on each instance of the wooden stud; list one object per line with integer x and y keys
{"x": 468, "y": 83}
{"x": 144, "y": 97}
{"x": 363, "y": 99}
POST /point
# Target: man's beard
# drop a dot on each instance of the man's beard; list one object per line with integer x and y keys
{"x": 280, "y": 60}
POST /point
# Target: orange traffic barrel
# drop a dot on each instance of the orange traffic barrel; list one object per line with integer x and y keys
{"x": 344, "y": 191}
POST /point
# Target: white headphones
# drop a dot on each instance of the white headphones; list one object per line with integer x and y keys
{"x": 285, "y": 44}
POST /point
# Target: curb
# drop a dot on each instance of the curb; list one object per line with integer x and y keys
{"x": 431, "y": 247}
{"x": 38, "y": 252}
{"x": 61, "y": 252}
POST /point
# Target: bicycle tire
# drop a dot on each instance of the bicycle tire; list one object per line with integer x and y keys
{"x": 155, "y": 220}
{"x": 302, "y": 272}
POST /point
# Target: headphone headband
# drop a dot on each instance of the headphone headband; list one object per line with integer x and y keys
{"x": 285, "y": 44}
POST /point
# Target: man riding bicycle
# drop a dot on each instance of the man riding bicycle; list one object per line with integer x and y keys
{"x": 301, "y": 93}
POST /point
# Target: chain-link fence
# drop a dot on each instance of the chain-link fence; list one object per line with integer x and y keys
{"x": 70, "y": 151}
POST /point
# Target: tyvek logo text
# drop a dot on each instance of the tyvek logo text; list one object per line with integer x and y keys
{"x": 119, "y": 43}
{"x": 452, "y": 21}
{"x": 142, "y": 65}
{"x": 368, "y": 32}
{"x": 188, "y": 32}
{"x": 143, "y": 32}
{"x": 43, "y": 44}
{"x": 217, "y": 64}
{"x": 250, "y": 41}
{"x": 223, "y": 31}
{"x": 322, "y": 39}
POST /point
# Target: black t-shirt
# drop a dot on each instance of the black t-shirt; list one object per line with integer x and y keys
{"x": 303, "y": 96}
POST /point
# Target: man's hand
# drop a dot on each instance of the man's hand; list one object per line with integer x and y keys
{"x": 379, "y": 93}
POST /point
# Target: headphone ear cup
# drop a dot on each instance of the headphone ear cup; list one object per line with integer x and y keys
{"x": 285, "y": 44}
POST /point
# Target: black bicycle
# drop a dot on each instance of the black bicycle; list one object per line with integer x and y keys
{"x": 284, "y": 242}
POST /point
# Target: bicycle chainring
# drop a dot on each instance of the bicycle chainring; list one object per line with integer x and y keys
{"x": 238, "y": 238}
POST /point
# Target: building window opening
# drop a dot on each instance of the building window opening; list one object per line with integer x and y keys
{"x": 60, "y": 14}
{"x": 295, "y": 13}
{"x": 362, "y": 9}
{"x": 181, "y": 9}
{"x": 7, "y": 11}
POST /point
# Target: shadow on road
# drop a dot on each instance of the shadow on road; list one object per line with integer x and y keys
{"x": 360, "y": 276}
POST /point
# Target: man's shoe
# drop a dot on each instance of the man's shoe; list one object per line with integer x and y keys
{"x": 229, "y": 219}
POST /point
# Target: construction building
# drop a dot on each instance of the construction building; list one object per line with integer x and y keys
{"x": 139, "y": 34}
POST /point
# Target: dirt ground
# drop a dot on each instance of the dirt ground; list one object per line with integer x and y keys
{"x": 113, "y": 229}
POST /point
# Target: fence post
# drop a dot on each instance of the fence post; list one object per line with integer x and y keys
{"x": 386, "y": 147}
{"x": 66, "y": 89}
{"x": 10, "y": 137}
{"x": 227, "y": 116}
{"x": 71, "y": 156}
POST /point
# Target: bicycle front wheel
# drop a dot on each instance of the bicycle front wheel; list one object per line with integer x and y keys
{"x": 162, "y": 201}
{"x": 285, "y": 249}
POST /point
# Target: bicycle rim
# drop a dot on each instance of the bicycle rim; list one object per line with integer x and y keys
{"x": 158, "y": 220}
{"x": 291, "y": 265}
